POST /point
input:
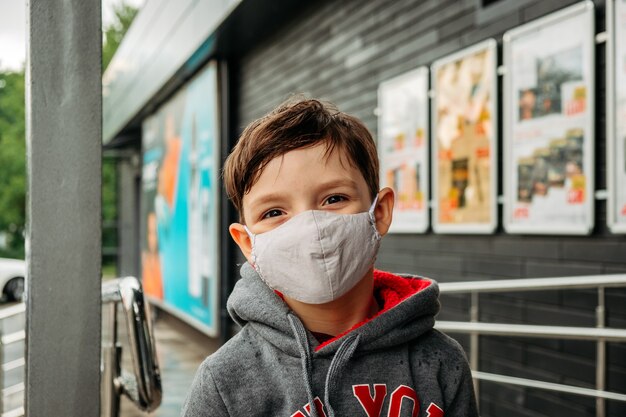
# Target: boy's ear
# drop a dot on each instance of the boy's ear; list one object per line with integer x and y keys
{"x": 241, "y": 238}
{"x": 384, "y": 210}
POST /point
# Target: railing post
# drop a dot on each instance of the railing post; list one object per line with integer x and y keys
{"x": 111, "y": 369}
{"x": 600, "y": 354}
{"x": 600, "y": 333}
{"x": 474, "y": 342}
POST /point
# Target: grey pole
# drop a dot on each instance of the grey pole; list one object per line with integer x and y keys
{"x": 128, "y": 206}
{"x": 63, "y": 122}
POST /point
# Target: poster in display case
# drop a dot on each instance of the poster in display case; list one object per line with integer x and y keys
{"x": 180, "y": 203}
{"x": 464, "y": 145}
{"x": 403, "y": 147}
{"x": 616, "y": 115}
{"x": 548, "y": 124}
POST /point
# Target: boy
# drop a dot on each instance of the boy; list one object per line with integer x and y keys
{"x": 323, "y": 333}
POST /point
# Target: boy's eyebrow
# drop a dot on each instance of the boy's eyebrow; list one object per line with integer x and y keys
{"x": 343, "y": 182}
{"x": 271, "y": 197}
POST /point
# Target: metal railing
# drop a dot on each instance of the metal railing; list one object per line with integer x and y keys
{"x": 9, "y": 339}
{"x": 143, "y": 385}
{"x": 600, "y": 333}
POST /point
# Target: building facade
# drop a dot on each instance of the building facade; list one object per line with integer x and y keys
{"x": 341, "y": 51}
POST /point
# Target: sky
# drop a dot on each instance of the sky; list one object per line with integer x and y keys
{"x": 13, "y": 29}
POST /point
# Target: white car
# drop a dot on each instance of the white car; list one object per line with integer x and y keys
{"x": 12, "y": 274}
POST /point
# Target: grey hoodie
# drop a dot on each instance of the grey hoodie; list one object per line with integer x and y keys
{"x": 394, "y": 364}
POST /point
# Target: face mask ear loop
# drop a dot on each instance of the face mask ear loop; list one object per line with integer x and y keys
{"x": 372, "y": 208}
{"x": 373, "y": 217}
{"x": 252, "y": 237}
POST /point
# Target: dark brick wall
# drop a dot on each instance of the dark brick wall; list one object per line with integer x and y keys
{"x": 341, "y": 51}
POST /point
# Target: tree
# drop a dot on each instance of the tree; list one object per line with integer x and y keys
{"x": 12, "y": 163}
{"x": 13, "y": 149}
{"x": 114, "y": 33}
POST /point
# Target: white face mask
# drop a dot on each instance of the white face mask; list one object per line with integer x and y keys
{"x": 317, "y": 256}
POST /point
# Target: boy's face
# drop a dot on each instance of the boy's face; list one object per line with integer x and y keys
{"x": 307, "y": 179}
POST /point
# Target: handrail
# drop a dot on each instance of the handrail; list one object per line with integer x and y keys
{"x": 527, "y": 330}
{"x": 600, "y": 334}
{"x": 534, "y": 284}
{"x": 551, "y": 386}
{"x": 13, "y": 310}
{"x": 143, "y": 386}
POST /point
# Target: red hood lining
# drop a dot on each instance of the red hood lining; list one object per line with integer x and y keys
{"x": 389, "y": 290}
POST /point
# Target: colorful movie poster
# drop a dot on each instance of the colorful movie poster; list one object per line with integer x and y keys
{"x": 616, "y": 120}
{"x": 464, "y": 141}
{"x": 180, "y": 203}
{"x": 403, "y": 147}
{"x": 549, "y": 134}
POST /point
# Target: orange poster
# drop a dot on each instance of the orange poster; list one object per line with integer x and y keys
{"x": 464, "y": 141}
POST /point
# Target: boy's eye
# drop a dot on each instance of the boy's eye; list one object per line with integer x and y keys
{"x": 334, "y": 199}
{"x": 272, "y": 213}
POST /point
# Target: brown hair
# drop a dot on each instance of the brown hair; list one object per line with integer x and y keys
{"x": 294, "y": 125}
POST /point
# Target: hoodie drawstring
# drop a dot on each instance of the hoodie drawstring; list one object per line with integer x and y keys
{"x": 305, "y": 356}
{"x": 342, "y": 357}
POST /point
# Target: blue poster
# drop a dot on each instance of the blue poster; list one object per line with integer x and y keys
{"x": 180, "y": 201}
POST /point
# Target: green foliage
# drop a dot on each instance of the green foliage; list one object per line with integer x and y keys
{"x": 113, "y": 34}
{"x": 109, "y": 212}
{"x": 109, "y": 190}
{"x": 12, "y": 162}
{"x": 13, "y": 150}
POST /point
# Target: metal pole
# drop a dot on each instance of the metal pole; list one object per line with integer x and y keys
{"x": 226, "y": 260}
{"x": 64, "y": 141}
{"x": 474, "y": 343}
{"x": 127, "y": 228}
{"x": 111, "y": 368}
{"x": 600, "y": 355}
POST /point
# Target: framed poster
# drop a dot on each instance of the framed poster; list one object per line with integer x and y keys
{"x": 464, "y": 145}
{"x": 180, "y": 203}
{"x": 616, "y": 115}
{"x": 548, "y": 122}
{"x": 403, "y": 147}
